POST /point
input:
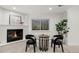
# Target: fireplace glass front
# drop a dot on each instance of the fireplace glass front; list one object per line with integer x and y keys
{"x": 14, "y": 35}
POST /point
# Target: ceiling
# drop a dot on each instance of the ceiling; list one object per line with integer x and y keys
{"x": 32, "y": 9}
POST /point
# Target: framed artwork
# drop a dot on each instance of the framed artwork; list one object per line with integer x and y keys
{"x": 42, "y": 24}
{"x": 36, "y": 24}
{"x": 15, "y": 20}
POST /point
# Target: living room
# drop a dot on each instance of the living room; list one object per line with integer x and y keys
{"x": 21, "y": 19}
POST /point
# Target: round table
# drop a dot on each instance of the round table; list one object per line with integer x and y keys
{"x": 43, "y": 42}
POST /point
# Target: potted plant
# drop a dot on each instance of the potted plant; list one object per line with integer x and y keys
{"x": 62, "y": 28}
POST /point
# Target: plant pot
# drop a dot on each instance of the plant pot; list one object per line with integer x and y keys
{"x": 65, "y": 38}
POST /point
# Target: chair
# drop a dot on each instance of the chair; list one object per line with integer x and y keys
{"x": 52, "y": 41}
{"x": 58, "y": 41}
{"x": 31, "y": 41}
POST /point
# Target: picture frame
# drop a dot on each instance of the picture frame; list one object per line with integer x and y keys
{"x": 40, "y": 24}
{"x": 45, "y": 24}
{"x": 36, "y": 24}
{"x": 15, "y": 20}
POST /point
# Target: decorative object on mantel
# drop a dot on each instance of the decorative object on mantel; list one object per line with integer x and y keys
{"x": 21, "y": 23}
{"x": 15, "y": 20}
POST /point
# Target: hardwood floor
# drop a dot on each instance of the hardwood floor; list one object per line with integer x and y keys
{"x": 19, "y": 47}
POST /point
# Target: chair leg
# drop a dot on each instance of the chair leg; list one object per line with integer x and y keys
{"x": 51, "y": 44}
{"x": 54, "y": 48}
{"x": 36, "y": 45}
{"x": 26, "y": 49}
{"x": 62, "y": 47}
{"x": 59, "y": 46}
{"x": 34, "y": 48}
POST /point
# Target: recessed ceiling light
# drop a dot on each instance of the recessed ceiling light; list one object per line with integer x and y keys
{"x": 60, "y": 5}
{"x": 50, "y": 9}
{"x": 14, "y": 8}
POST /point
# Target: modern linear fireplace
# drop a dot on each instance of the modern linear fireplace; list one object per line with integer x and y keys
{"x": 14, "y": 35}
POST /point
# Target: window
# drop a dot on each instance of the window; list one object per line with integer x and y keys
{"x": 42, "y": 24}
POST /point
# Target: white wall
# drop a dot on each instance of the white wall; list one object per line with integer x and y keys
{"x": 4, "y": 16}
{"x": 73, "y": 23}
{"x": 53, "y": 19}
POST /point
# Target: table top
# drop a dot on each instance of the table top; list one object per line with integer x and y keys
{"x": 43, "y": 36}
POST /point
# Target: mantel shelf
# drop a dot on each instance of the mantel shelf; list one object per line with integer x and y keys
{"x": 13, "y": 25}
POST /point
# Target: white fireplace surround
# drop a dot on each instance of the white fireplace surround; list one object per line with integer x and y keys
{"x": 3, "y": 32}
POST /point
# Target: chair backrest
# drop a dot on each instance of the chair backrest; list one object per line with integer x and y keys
{"x": 58, "y": 37}
{"x": 31, "y": 37}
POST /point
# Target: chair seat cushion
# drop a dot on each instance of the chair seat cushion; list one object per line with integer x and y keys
{"x": 30, "y": 42}
{"x": 58, "y": 42}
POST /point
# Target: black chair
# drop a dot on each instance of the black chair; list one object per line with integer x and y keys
{"x": 52, "y": 42}
{"x": 58, "y": 41}
{"x": 31, "y": 41}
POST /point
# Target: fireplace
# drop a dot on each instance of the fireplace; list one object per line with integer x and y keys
{"x": 14, "y": 35}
